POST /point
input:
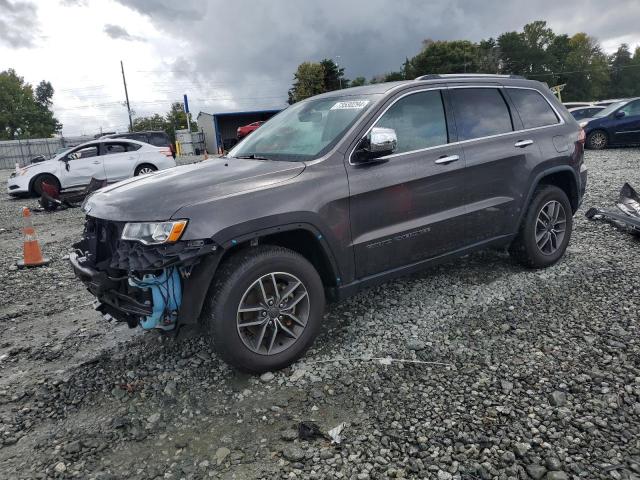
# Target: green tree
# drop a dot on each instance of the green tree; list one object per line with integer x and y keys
{"x": 334, "y": 78}
{"x": 174, "y": 119}
{"x": 457, "y": 56}
{"x": 587, "y": 74}
{"x": 152, "y": 122}
{"x": 488, "y": 56}
{"x": 308, "y": 81}
{"x": 358, "y": 82}
{"x": 23, "y": 113}
{"x": 177, "y": 120}
{"x": 623, "y": 79}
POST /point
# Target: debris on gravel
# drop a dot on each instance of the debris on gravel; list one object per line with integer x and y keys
{"x": 506, "y": 373}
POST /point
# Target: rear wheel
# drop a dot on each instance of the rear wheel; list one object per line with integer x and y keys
{"x": 264, "y": 308}
{"x": 144, "y": 169}
{"x": 545, "y": 230}
{"x": 597, "y": 140}
{"x": 36, "y": 187}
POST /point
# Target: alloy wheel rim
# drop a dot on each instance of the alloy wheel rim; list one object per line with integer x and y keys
{"x": 273, "y": 313}
{"x": 598, "y": 140}
{"x": 550, "y": 227}
{"x": 145, "y": 171}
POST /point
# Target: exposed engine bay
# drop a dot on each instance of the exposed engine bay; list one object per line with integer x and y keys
{"x": 143, "y": 285}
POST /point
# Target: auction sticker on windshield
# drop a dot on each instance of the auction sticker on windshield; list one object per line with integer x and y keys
{"x": 350, "y": 105}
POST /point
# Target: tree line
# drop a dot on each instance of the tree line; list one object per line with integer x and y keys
{"x": 25, "y": 112}
{"x": 536, "y": 52}
{"x": 174, "y": 119}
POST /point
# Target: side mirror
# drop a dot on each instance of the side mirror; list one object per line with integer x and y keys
{"x": 378, "y": 143}
{"x": 620, "y": 114}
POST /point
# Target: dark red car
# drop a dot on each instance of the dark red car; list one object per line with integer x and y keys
{"x": 247, "y": 129}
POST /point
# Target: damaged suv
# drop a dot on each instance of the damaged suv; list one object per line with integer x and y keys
{"x": 336, "y": 193}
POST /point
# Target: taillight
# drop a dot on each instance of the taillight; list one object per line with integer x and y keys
{"x": 581, "y": 136}
{"x": 166, "y": 151}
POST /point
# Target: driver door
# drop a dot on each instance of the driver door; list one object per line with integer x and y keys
{"x": 80, "y": 165}
{"x": 409, "y": 206}
{"x": 627, "y": 129}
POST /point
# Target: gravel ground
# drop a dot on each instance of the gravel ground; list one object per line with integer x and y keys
{"x": 506, "y": 373}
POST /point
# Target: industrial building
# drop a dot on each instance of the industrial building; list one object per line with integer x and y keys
{"x": 220, "y": 128}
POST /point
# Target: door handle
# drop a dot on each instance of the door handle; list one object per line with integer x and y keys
{"x": 96, "y": 163}
{"x": 447, "y": 159}
{"x": 523, "y": 143}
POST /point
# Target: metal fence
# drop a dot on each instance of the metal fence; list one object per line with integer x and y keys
{"x": 22, "y": 151}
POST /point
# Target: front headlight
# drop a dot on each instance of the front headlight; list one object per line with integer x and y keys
{"x": 154, "y": 233}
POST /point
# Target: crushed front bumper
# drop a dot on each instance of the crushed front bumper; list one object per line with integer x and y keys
{"x": 122, "y": 275}
{"x": 115, "y": 296}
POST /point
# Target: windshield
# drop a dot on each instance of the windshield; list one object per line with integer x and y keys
{"x": 610, "y": 109}
{"x": 305, "y": 130}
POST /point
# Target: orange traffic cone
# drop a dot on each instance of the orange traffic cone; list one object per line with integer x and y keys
{"x": 32, "y": 255}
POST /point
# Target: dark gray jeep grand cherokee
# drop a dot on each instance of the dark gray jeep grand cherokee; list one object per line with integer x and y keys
{"x": 336, "y": 193}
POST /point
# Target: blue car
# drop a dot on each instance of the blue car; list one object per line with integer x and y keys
{"x": 618, "y": 124}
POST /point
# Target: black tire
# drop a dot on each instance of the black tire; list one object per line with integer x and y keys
{"x": 597, "y": 140}
{"x": 36, "y": 186}
{"x": 234, "y": 278}
{"x": 142, "y": 167}
{"x": 525, "y": 248}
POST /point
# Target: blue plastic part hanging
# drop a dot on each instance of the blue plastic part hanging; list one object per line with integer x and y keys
{"x": 166, "y": 293}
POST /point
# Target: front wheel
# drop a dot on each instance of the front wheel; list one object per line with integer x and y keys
{"x": 36, "y": 188}
{"x": 264, "y": 308}
{"x": 597, "y": 140}
{"x": 545, "y": 230}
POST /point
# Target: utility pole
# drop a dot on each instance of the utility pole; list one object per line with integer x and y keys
{"x": 339, "y": 76}
{"x": 126, "y": 94}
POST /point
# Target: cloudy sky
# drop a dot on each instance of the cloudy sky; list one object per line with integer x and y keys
{"x": 241, "y": 54}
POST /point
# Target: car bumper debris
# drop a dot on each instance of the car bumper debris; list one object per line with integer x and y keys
{"x": 627, "y": 217}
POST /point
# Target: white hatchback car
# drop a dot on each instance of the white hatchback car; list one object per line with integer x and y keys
{"x": 110, "y": 159}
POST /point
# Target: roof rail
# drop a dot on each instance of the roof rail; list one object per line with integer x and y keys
{"x": 434, "y": 76}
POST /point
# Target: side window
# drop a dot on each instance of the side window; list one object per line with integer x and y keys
{"x": 132, "y": 147}
{"x": 419, "y": 121}
{"x": 480, "y": 112}
{"x": 631, "y": 108}
{"x": 84, "y": 152}
{"x": 158, "y": 140}
{"x": 111, "y": 148}
{"x": 534, "y": 110}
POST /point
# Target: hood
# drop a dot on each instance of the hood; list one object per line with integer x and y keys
{"x": 46, "y": 166}
{"x": 159, "y": 195}
{"x": 591, "y": 121}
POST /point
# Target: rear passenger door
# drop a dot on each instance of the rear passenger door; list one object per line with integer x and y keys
{"x": 408, "y": 206}
{"x": 498, "y": 160}
{"x": 119, "y": 159}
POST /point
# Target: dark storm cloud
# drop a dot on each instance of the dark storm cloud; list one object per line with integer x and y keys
{"x": 118, "y": 33}
{"x": 247, "y": 42}
{"x": 18, "y": 23}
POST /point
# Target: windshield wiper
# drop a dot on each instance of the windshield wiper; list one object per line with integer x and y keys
{"x": 252, "y": 156}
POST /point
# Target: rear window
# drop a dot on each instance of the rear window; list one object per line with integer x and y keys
{"x": 534, "y": 110}
{"x": 480, "y": 112}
